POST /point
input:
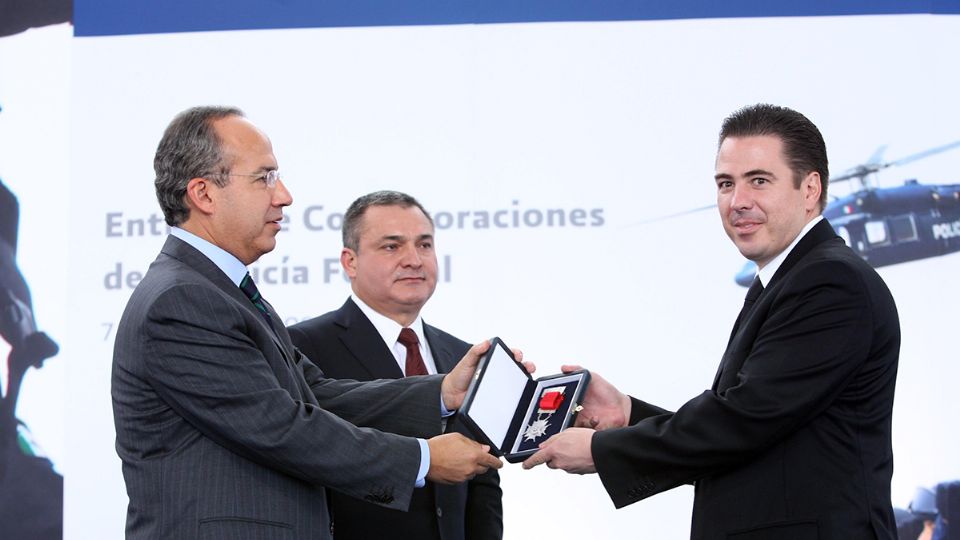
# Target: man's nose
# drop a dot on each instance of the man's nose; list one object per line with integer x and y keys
{"x": 741, "y": 197}
{"x": 411, "y": 257}
{"x": 281, "y": 196}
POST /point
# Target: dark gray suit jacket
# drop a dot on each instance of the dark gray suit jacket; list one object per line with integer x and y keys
{"x": 226, "y": 431}
{"x": 346, "y": 345}
{"x": 793, "y": 440}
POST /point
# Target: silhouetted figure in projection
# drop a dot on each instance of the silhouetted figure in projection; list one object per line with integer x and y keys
{"x": 31, "y": 492}
{"x": 924, "y": 508}
{"x": 19, "y": 15}
{"x": 948, "y": 506}
{"x": 909, "y": 525}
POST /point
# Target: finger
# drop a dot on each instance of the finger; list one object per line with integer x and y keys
{"x": 517, "y": 354}
{"x": 534, "y": 460}
{"x": 550, "y": 440}
{"x": 570, "y": 368}
{"x": 492, "y": 462}
{"x": 530, "y": 366}
{"x": 587, "y": 421}
{"x": 477, "y": 351}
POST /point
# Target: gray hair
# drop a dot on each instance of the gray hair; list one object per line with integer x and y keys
{"x": 351, "y": 220}
{"x": 190, "y": 148}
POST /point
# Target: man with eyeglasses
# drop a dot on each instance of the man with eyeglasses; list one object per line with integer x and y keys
{"x": 224, "y": 429}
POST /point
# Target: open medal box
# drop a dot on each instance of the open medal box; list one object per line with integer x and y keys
{"x": 511, "y": 411}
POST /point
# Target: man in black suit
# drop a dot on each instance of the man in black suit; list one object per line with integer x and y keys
{"x": 388, "y": 253}
{"x": 225, "y": 430}
{"x": 793, "y": 439}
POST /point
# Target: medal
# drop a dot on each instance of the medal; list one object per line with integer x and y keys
{"x": 550, "y": 401}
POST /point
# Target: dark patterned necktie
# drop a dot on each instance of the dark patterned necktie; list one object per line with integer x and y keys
{"x": 414, "y": 365}
{"x": 249, "y": 288}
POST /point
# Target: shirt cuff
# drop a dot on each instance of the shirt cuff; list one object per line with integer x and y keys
{"x": 424, "y": 463}
{"x": 444, "y": 413}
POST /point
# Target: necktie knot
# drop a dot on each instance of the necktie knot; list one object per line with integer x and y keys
{"x": 249, "y": 288}
{"x": 414, "y": 364}
{"x": 408, "y": 337}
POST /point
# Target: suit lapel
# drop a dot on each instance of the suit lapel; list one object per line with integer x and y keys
{"x": 182, "y": 251}
{"x": 443, "y": 357}
{"x": 363, "y": 341}
{"x": 732, "y": 360}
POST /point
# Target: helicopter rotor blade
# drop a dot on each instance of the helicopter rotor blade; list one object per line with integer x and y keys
{"x": 924, "y": 154}
{"x": 866, "y": 169}
{"x": 877, "y": 156}
{"x": 676, "y": 214}
{"x": 856, "y": 172}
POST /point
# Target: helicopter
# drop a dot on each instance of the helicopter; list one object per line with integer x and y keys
{"x": 894, "y": 224}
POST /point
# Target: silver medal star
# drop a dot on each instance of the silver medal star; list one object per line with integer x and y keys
{"x": 536, "y": 429}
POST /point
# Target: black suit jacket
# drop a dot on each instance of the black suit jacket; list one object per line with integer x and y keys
{"x": 793, "y": 440}
{"x": 226, "y": 431}
{"x": 345, "y": 345}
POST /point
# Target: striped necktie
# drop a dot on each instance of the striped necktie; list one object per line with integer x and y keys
{"x": 249, "y": 288}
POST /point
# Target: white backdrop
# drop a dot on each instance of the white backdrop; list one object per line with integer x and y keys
{"x": 608, "y": 124}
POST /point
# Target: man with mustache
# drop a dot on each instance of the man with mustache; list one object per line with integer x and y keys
{"x": 224, "y": 428}
{"x": 793, "y": 439}
{"x": 389, "y": 255}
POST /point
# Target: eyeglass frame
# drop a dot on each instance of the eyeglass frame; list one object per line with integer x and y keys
{"x": 269, "y": 178}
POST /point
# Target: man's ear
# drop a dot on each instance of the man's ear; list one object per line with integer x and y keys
{"x": 199, "y": 196}
{"x": 348, "y": 260}
{"x": 811, "y": 187}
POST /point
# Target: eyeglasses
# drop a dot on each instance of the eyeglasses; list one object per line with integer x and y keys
{"x": 269, "y": 178}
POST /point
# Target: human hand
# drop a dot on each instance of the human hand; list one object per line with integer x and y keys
{"x": 568, "y": 450}
{"x": 604, "y": 406}
{"x": 455, "y": 458}
{"x": 456, "y": 383}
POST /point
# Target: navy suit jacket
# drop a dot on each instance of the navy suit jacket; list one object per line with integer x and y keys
{"x": 346, "y": 345}
{"x": 226, "y": 431}
{"x": 793, "y": 440}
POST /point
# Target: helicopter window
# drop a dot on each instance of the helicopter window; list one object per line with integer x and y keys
{"x": 876, "y": 232}
{"x": 903, "y": 228}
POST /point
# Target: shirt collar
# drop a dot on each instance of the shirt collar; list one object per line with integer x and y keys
{"x": 767, "y": 272}
{"x": 388, "y": 328}
{"x": 227, "y": 263}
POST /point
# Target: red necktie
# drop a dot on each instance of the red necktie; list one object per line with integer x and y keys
{"x": 414, "y": 365}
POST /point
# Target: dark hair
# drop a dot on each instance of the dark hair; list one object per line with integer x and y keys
{"x": 803, "y": 146}
{"x": 351, "y": 220}
{"x": 190, "y": 148}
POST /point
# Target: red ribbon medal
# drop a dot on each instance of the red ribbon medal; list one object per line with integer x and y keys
{"x": 550, "y": 401}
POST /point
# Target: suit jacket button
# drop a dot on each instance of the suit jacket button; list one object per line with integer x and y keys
{"x": 439, "y": 512}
